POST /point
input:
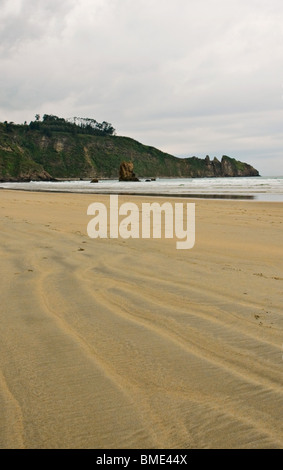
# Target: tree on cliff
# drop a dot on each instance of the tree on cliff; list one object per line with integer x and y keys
{"x": 73, "y": 126}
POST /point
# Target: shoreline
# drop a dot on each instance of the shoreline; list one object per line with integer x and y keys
{"x": 267, "y": 189}
{"x": 199, "y": 196}
{"x": 129, "y": 193}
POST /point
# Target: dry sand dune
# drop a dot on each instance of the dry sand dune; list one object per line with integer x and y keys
{"x": 133, "y": 344}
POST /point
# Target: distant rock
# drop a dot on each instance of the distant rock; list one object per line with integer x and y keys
{"x": 94, "y": 180}
{"x": 126, "y": 172}
{"x": 228, "y": 167}
{"x": 29, "y": 175}
{"x": 232, "y": 167}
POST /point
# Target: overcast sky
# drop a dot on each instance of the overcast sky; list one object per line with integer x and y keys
{"x": 190, "y": 77}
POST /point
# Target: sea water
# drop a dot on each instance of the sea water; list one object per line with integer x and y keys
{"x": 253, "y": 188}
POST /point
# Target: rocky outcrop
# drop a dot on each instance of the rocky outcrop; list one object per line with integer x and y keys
{"x": 212, "y": 167}
{"x": 232, "y": 167}
{"x": 27, "y": 176}
{"x": 126, "y": 172}
{"x": 36, "y": 176}
{"x": 228, "y": 167}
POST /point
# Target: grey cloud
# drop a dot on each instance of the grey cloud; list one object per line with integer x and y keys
{"x": 31, "y": 20}
{"x": 184, "y": 76}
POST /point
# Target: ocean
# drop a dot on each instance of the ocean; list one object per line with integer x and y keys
{"x": 249, "y": 188}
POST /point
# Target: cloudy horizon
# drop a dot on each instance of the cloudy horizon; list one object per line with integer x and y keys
{"x": 188, "y": 77}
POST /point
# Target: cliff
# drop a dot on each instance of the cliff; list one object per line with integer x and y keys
{"x": 27, "y": 153}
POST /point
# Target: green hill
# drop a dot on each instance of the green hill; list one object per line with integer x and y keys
{"x": 55, "y": 148}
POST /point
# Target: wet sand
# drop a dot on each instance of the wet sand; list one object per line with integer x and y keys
{"x": 112, "y": 343}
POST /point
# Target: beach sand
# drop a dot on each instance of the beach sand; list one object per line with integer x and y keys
{"x": 112, "y": 343}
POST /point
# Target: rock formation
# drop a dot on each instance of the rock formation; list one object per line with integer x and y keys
{"x": 126, "y": 172}
{"x": 228, "y": 167}
{"x": 26, "y": 176}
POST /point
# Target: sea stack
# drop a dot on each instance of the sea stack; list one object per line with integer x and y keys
{"x": 126, "y": 172}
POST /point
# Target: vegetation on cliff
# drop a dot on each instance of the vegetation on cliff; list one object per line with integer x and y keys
{"x": 83, "y": 148}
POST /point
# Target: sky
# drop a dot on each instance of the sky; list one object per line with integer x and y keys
{"x": 190, "y": 77}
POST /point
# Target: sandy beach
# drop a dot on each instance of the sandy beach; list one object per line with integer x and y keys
{"x": 112, "y": 343}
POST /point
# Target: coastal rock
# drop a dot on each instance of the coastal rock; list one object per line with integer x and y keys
{"x": 126, "y": 172}
{"x": 232, "y": 167}
{"x": 228, "y": 167}
{"x": 27, "y": 176}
